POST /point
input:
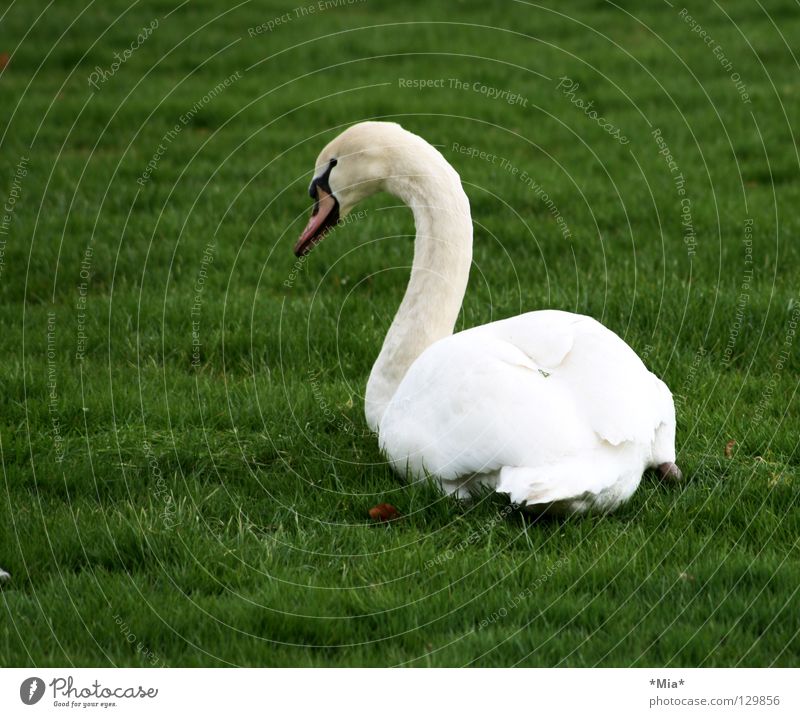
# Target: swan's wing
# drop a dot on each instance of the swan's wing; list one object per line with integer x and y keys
{"x": 545, "y": 337}
{"x": 535, "y": 390}
{"x": 619, "y": 398}
{"x": 472, "y": 406}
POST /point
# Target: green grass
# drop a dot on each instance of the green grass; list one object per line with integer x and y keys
{"x": 218, "y": 512}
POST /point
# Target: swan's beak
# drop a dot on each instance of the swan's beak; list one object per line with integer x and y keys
{"x": 323, "y": 217}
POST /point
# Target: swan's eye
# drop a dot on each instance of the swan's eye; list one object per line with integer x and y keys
{"x": 322, "y": 180}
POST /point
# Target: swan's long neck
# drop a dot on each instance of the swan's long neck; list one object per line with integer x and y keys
{"x": 439, "y": 274}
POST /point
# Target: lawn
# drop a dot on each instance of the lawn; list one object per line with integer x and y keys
{"x": 187, "y": 472}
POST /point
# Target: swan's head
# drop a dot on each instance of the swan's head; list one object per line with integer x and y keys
{"x": 358, "y": 163}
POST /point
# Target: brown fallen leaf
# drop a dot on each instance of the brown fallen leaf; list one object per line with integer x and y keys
{"x": 3, "y": 60}
{"x": 729, "y": 448}
{"x": 384, "y": 512}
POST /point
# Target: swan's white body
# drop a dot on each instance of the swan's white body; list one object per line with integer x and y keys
{"x": 548, "y": 407}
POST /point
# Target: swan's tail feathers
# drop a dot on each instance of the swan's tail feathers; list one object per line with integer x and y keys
{"x": 571, "y": 487}
{"x": 663, "y": 445}
{"x": 663, "y": 450}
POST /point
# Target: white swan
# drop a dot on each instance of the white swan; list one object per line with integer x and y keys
{"x": 549, "y": 407}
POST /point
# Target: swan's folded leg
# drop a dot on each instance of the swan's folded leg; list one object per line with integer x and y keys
{"x": 670, "y": 472}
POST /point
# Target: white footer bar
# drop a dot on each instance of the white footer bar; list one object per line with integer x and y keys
{"x": 399, "y": 693}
